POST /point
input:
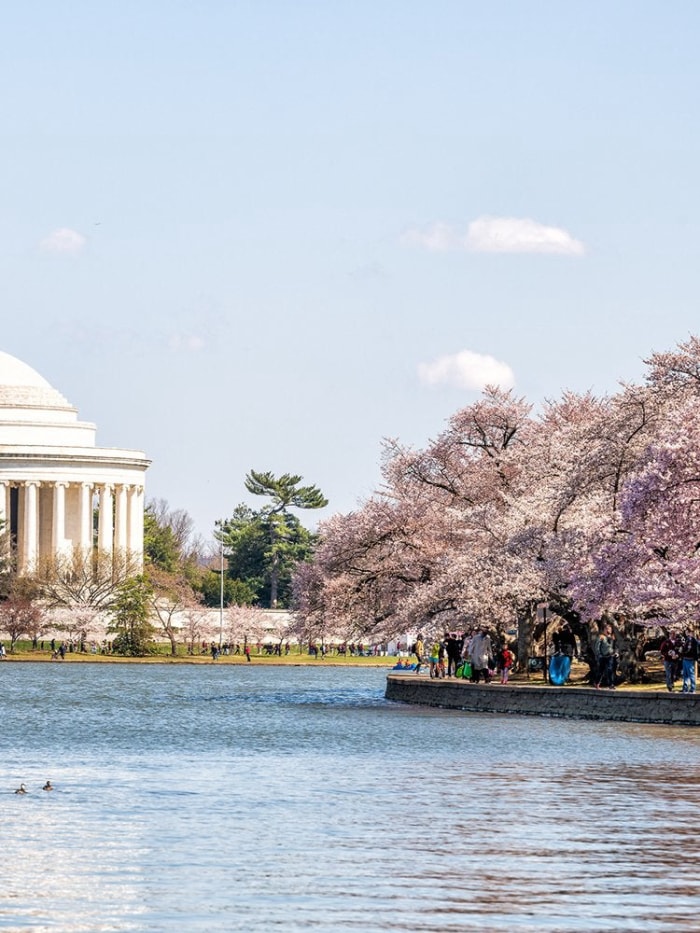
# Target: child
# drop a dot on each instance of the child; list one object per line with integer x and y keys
{"x": 435, "y": 659}
{"x": 506, "y": 660}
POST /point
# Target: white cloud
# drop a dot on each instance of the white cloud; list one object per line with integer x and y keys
{"x": 63, "y": 240}
{"x": 495, "y": 235}
{"x": 519, "y": 235}
{"x": 466, "y": 370}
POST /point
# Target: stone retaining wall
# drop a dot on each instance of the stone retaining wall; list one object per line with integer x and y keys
{"x": 567, "y": 702}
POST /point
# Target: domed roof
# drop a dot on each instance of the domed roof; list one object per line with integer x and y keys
{"x": 23, "y": 387}
{"x": 14, "y": 372}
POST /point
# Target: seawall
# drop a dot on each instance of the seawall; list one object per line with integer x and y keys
{"x": 566, "y": 702}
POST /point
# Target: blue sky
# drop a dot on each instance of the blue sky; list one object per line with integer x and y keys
{"x": 269, "y": 234}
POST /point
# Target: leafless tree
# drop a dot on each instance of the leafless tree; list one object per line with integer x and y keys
{"x": 85, "y": 579}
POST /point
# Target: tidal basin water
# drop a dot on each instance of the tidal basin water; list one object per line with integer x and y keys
{"x": 247, "y": 798}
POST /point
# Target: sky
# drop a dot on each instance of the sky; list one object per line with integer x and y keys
{"x": 269, "y": 234}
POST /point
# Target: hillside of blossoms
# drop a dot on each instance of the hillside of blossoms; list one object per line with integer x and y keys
{"x": 589, "y": 507}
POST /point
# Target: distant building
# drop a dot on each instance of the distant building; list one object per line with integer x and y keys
{"x": 53, "y": 479}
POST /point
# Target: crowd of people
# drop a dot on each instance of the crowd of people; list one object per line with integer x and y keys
{"x": 481, "y": 656}
{"x": 472, "y": 654}
{"x": 680, "y": 652}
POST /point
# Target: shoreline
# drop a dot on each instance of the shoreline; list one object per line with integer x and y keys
{"x": 651, "y": 704}
{"x": 227, "y": 661}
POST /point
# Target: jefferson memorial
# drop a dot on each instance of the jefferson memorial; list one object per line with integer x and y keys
{"x": 53, "y": 479}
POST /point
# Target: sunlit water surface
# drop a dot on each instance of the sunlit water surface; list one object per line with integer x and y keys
{"x": 257, "y": 799}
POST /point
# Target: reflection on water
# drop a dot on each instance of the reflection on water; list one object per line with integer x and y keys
{"x": 230, "y": 798}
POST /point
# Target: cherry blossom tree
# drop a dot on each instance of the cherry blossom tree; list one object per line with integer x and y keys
{"x": 589, "y": 506}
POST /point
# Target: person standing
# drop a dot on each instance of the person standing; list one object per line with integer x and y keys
{"x": 671, "y": 656}
{"x": 434, "y": 659}
{"x": 480, "y": 651}
{"x": 605, "y": 649}
{"x": 689, "y": 656}
{"x": 506, "y": 660}
{"x": 453, "y": 649}
{"x": 418, "y": 650}
{"x": 565, "y": 641}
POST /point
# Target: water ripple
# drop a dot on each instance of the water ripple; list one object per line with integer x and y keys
{"x": 210, "y": 799}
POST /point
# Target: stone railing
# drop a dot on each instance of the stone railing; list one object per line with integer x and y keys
{"x": 568, "y": 702}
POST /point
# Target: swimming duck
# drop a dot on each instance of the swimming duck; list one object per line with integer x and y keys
{"x": 21, "y": 789}
{"x": 47, "y": 786}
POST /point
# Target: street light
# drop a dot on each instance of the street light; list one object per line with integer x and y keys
{"x": 543, "y": 608}
{"x": 221, "y": 591}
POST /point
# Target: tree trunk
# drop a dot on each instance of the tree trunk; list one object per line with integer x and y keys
{"x": 526, "y": 631}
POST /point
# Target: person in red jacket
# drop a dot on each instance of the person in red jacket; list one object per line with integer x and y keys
{"x": 505, "y": 661}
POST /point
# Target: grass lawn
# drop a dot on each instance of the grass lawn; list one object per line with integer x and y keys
{"x": 25, "y": 652}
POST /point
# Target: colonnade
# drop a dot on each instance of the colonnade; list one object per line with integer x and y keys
{"x": 53, "y": 518}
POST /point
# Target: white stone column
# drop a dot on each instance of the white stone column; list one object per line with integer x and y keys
{"x": 105, "y": 526}
{"x": 120, "y": 531}
{"x": 30, "y": 527}
{"x": 85, "y": 518}
{"x": 4, "y": 518}
{"x": 136, "y": 522}
{"x": 58, "y": 527}
{"x": 4, "y": 510}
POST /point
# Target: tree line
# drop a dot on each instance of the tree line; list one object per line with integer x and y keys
{"x": 179, "y": 580}
{"x": 589, "y": 507}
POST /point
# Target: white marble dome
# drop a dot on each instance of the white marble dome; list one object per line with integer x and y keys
{"x": 14, "y": 372}
{"x": 33, "y": 412}
{"x": 53, "y": 477}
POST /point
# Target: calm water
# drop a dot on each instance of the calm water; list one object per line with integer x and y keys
{"x": 260, "y": 799}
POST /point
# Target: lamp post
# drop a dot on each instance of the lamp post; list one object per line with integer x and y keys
{"x": 543, "y": 607}
{"x": 221, "y": 591}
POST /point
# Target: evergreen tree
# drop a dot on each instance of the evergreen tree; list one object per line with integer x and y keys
{"x": 263, "y": 547}
{"x": 283, "y": 529}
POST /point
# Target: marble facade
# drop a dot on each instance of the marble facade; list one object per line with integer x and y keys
{"x": 54, "y": 479}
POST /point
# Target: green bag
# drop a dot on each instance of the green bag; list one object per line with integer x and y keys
{"x": 466, "y": 671}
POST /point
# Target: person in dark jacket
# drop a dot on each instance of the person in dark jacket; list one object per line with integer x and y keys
{"x": 670, "y": 652}
{"x": 605, "y": 655}
{"x": 689, "y": 655}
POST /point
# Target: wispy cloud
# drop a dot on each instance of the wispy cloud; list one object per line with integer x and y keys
{"x": 466, "y": 370}
{"x": 64, "y": 240}
{"x": 495, "y": 235}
